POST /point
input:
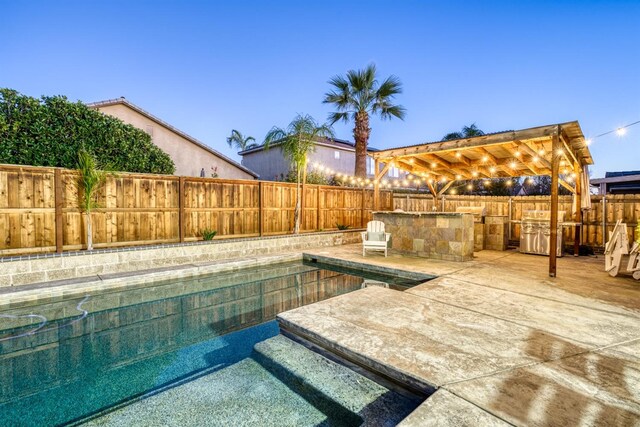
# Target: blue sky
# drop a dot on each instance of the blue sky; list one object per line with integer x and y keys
{"x": 208, "y": 67}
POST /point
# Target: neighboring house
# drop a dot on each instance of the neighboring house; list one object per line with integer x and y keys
{"x": 336, "y": 154}
{"x": 191, "y": 157}
{"x": 627, "y": 182}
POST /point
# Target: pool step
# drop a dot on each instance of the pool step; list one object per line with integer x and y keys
{"x": 335, "y": 390}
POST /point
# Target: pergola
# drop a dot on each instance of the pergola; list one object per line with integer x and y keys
{"x": 554, "y": 150}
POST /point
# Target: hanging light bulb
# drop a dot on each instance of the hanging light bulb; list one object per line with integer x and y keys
{"x": 529, "y": 180}
{"x": 541, "y": 152}
{"x": 452, "y": 191}
{"x": 411, "y": 161}
{"x": 434, "y": 164}
{"x": 458, "y": 154}
{"x": 536, "y": 158}
{"x": 588, "y": 141}
{"x": 621, "y": 131}
{"x": 513, "y": 165}
{"x": 469, "y": 187}
{"x": 492, "y": 169}
{"x": 559, "y": 152}
{"x": 405, "y": 182}
{"x": 474, "y": 173}
{"x": 509, "y": 183}
{"x": 485, "y": 158}
{"x": 517, "y": 154}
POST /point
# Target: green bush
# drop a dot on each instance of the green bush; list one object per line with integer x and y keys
{"x": 51, "y": 131}
{"x": 208, "y": 234}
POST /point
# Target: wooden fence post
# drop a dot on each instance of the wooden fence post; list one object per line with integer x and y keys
{"x": 57, "y": 180}
{"x": 260, "y": 209}
{"x": 362, "y": 210}
{"x": 181, "y": 197}
{"x": 318, "y": 215}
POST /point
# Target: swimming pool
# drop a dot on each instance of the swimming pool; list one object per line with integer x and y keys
{"x": 83, "y": 356}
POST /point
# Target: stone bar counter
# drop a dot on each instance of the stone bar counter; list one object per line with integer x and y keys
{"x": 436, "y": 235}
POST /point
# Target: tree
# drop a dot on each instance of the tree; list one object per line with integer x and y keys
{"x": 297, "y": 142}
{"x": 50, "y": 131}
{"x": 90, "y": 180}
{"x": 357, "y": 96}
{"x": 238, "y": 140}
{"x": 467, "y": 132}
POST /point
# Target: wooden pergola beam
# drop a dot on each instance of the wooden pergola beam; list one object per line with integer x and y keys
{"x": 466, "y": 143}
{"x": 566, "y": 185}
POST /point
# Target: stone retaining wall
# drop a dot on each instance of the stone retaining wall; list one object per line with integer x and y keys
{"x": 26, "y": 270}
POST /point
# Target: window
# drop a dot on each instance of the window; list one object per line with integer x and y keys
{"x": 336, "y": 154}
{"x": 394, "y": 172}
{"x": 371, "y": 164}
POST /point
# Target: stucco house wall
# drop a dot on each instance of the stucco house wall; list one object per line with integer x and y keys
{"x": 272, "y": 165}
{"x": 189, "y": 155}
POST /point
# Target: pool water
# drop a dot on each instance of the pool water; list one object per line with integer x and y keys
{"x": 88, "y": 356}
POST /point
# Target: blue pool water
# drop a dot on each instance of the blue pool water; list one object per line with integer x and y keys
{"x": 69, "y": 360}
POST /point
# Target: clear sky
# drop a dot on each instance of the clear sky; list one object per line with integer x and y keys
{"x": 207, "y": 67}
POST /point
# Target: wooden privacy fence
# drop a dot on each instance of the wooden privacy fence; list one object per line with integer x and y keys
{"x": 596, "y": 224}
{"x": 39, "y": 209}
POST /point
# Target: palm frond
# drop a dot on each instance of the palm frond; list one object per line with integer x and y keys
{"x": 338, "y": 116}
{"x": 274, "y": 135}
{"x": 388, "y": 112}
{"x": 453, "y": 135}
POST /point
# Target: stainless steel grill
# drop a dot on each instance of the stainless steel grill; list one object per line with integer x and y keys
{"x": 478, "y": 212}
{"x": 535, "y": 232}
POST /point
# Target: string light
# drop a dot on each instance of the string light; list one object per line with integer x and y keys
{"x": 492, "y": 169}
{"x": 620, "y": 131}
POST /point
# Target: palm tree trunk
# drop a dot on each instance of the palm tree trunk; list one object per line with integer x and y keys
{"x": 296, "y": 212}
{"x": 361, "y": 133}
{"x": 87, "y": 216}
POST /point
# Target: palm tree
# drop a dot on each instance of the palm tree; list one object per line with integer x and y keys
{"x": 358, "y": 95}
{"x": 297, "y": 142}
{"x": 90, "y": 180}
{"x": 239, "y": 141}
{"x": 467, "y": 132}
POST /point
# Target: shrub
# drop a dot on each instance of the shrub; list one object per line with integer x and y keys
{"x": 208, "y": 234}
{"x": 342, "y": 226}
{"x": 50, "y": 131}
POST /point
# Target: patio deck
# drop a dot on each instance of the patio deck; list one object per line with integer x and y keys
{"x": 499, "y": 341}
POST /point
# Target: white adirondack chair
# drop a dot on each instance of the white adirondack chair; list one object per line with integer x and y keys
{"x": 375, "y": 238}
{"x": 617, "y": 246}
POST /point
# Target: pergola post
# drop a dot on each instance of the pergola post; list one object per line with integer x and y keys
{"x": 578, "y": 215}
{"x": 556, "y": 154}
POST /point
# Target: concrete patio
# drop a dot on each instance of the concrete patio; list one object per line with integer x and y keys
{"x": 499, "y": 341}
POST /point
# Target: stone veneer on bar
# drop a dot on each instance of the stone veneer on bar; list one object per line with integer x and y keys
{"x": 437, "y": 235}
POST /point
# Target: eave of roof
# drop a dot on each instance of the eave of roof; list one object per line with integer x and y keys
{"x": 124, "y": 101}
{"x": 614, "y": 179}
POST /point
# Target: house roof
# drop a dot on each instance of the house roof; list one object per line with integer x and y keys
{"x": 123, "y": 101}
{"x": 328, "y": 142}
{"x": 617, "y": 177}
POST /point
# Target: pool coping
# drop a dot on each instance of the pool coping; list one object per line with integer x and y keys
{"x": 57, "y": 290}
